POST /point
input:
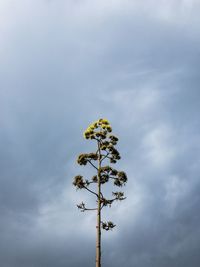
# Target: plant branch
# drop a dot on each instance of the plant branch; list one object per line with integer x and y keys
{"x": 82, "y": 207}
{"x": 105, "y": 156}
{"x": 90, "y": 209}
{"x": 90, "y": 191}
{"x": 92, "y": 164}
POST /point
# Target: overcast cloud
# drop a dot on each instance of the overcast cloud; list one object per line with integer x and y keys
{"x": 67, "y": 63}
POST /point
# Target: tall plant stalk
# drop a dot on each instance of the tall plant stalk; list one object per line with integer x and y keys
{"x": 106, "y": 151}
{"x": 98, "y": 238}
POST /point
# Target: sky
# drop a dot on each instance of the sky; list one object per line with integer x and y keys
{"x": 65, "y": 64}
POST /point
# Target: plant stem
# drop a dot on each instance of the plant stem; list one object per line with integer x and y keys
{"x": 98, "y": 239}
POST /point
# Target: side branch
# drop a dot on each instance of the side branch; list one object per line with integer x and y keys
{"x": 90, "y": 209}
{"x": 92, "y": 164}
{"x": 90, "y": 191}
{"x": 82, "y": 207}
{"x": 105, "y": 156}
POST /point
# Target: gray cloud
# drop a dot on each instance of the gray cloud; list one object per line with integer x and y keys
{"x": 65, "y": 64}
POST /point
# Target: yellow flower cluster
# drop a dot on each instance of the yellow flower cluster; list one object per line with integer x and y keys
{"x": 103, "y": 127}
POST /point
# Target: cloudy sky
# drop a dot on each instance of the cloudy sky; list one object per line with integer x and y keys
{"x": 66, "y": 63}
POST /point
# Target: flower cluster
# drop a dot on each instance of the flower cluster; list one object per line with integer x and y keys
{"x": 108, "y": 225}
{"x": 84, "y": 158}
{"x": 105, "y": 173}
{"x": 109, "y": 143}
{"x": 79, "y": 182}
{"x": 81, "y": 207}
{"x": 106, "y": 202}
{"x": 118, "y": 195}
{"x": 114, "y": 155}
{"x": 104, "y": 178}
{"x": 98, "y": 130}
{"x": 121, "y": 179}
{"x": 113, "y": 139}
{"x": 109, "y": 170}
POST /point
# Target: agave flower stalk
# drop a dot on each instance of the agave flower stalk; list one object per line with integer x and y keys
{"x": 100, "y": 132}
